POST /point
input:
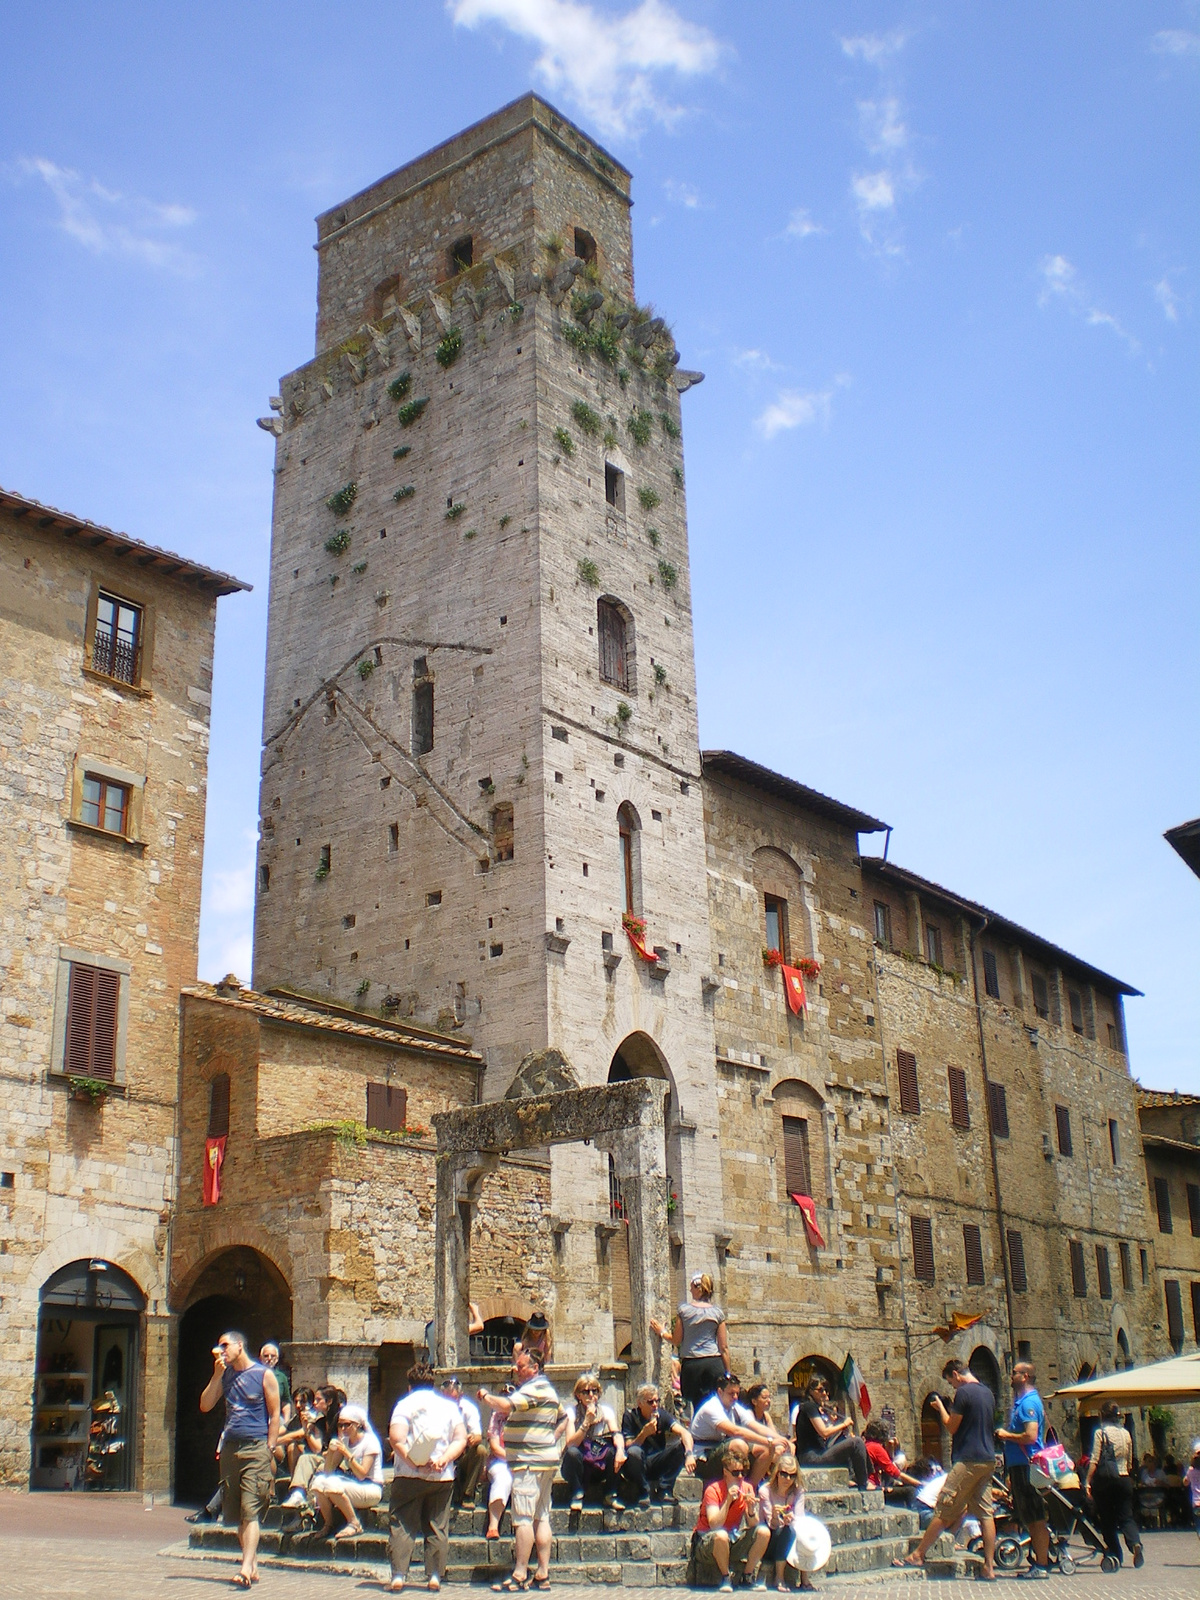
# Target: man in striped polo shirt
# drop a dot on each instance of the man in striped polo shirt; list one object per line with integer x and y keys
{"x": 531, "y": 1447}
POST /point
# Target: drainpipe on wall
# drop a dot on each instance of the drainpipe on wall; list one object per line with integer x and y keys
{"x": 987, "y": 1090}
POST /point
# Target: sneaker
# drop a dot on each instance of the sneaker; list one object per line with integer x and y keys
{"x": 1034, "y": 1570}
{"x": 296, "y": 1501}
{"x": 726, "y": 1585}
{"x": 576, "y": 1502}
{"x": 1139, "y": 1556}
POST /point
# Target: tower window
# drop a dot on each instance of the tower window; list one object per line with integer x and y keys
{"x": 991, "y": 978}
{"x": 393, "y": 838}
{"x": 387, "y": 1107}
{"x": 218, "y": 1106}
{"x": 462, "y": 254}
{"x": 502, "y": 832}
{"x": 910, "y": 1093}
{"x": 628, "y": 829}
{"x": 117, "y": 639}
{"x": 1041, "y": 995}
{"x": 933, "y": 945}
{"x": 613, "y": 629}
{"x": 585, "y": 245}
{"x": 614, "y": 486}
{"x": 93, "y": 996}
{"x": 422, "y": 708}
{"x": 777, "y": 929}
{"x": 104, "y": 804}
{"x": 883, "y": 923}
{"x": 1075, "y": 999}
{"x": 922, "y": 1248}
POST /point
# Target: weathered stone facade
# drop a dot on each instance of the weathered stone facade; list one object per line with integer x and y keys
{"x": 1170, "y": 1128}
{"x": 88, "y": 1182}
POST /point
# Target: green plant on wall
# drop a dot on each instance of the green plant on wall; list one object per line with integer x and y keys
{"x": 668, "y": 575}
{"x": 399, "y": 386}
{"x": 577, "y": 337}
{"x": 669, "y": 426}
{"x": 405, "y": 493}
{"x": 587, "y": 420}
{"x": 365, "y": 668}
{"x": 606, "y": 342}
{"x": 338, "y": 543}
{"x": 471, "y": 533}
{"x": 660, "y": 674}
{"x": 610, "y": 440}
{"x": 653, "y": 535}
{"x": 359, "y": 566}
{"x": 409, "y": 413}
{"x": 624, "y": 712}
{"x": 564, "y": 442}
{"x": 363, "y": 988}
{"x": 504, "y": 521}
{"x": 648, "y": 498}
{"x": 449, "y": 348}
{"x": 340, "y": 502}
{"x": 401, "y": 450}
{"x": 589, "y": 573}
{"x": 677, "y": 474}
{"x": 640, "y": 426}
{"x": 95, "y": 1090}
{"x": 455, "y": 511}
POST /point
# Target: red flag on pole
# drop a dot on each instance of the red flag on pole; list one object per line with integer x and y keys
{"x": 808, "y": 1211}
{"x": 793, "y": 988}
{"x": 214, "y": 1160}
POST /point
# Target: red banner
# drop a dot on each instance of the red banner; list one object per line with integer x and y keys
{"x": 638, "y": 940}
{"x": 793, "y": 988}
{"x": 808, "y": 1211}
{"x": 214, "y": 1160}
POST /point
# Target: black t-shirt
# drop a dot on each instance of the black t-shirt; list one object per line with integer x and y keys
{"x": 807, "y": 1438}
{"x": 633, "y": 1422}
{"x": 973, "y": 1438}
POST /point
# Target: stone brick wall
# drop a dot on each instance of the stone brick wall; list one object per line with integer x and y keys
{"x": 92, "y": 1181}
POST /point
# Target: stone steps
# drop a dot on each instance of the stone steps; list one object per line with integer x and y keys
{"x": 598, "y": 1545}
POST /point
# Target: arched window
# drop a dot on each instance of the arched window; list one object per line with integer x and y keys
{"x": 780, "y": 885}
{"x": 801, "y": 1113}
{"x": 1123, "y": 1358}
{"x": 629, "y": 834}
{"x": 614, "y": 629}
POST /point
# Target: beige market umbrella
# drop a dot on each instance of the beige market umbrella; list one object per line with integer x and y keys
{"x": 1177, "y": 1379}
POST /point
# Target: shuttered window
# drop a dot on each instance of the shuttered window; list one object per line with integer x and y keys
{"x": 997, "y": 1097}
{"x": 973, "y": 1251}
{"x": 1162, "y": 1202}
{"x": 960, "y": 1112}
{"x": 1078, "y": 1271}
{"x": 797, "y": 1169}
{"x": 91, "y": 1042}
{"x": 218, "y": 1106}
{"x": 1062, "y": 1121}
{"x": 1196, "y": 1312}
{"x": 1103, "y": 1272}
{"x": 1126, "y": 1265}
{"x": 1193, "y": 1194}
{"x": 1016, "y": 1262}
{"x": 910, "y": 1094}
{"x": 1174, "y": 1314}
{"x": 387, "y": 1107}
{"x": 922, "y": 1246}
{"x": 991, "y": 978}
{"x": 1041, "y": 995}
{"x": 614, "y": 653}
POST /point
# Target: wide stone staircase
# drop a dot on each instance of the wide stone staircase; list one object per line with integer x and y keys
{"x": 598, "y": 1545}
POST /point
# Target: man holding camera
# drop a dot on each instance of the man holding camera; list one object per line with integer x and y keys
{"x": 971, "y": 1420}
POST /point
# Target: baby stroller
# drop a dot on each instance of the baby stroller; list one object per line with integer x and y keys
{"x": 1066, "y": 1515}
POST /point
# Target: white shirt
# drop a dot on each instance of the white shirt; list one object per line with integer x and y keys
{"x": 436, "y": 1417}
{"x": 470, "y": 1415}
{"x": 704, "y": 1428}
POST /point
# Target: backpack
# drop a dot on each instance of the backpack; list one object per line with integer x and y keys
{"x": 1106, "y": 1465}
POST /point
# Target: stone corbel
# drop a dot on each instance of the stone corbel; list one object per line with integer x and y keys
{"x": 557, "y": 943}
{"x": 612, "y": 960}
{"x": 709, "y": 985}
{"x": 506, "y": 272}
{"x": 412, "y": 328}
{"x": 662, "y": 965}
{"x": 271, "y": 425}
{"x": 443, "y": 311}
{"x": 379, "y": 338}
{"x": 604, "y": 1232}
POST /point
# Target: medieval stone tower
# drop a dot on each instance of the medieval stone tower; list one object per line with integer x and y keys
{"x": 480, "y": 738}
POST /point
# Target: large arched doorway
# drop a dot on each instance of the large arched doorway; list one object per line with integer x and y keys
{"x": 801, "y": 1374}
{"x": 87, "y": 1391}
{"x": 638, "y": 1056}
{"x": 239, "y": 1290}
{"x": 984, "y": 1367}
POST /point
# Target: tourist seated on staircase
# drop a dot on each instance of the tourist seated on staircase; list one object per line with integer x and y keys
{"x": 753, "y": 1411}
{"x": 293, "y": 1440}
{"x": 716, "y": 1423}
{"x": 729, "y": 1530}
{"x": 595, "y": 1446}
{"x": 823, "y": 1439}
{"x": 781, "y": 1502}
{"x": 499, "y": 1473}
{"x": 355, "y": 1482}
{"x": 885, "y": 1474}
{"x": 657, "y": 1449}
{"x": 320, "y": 1432}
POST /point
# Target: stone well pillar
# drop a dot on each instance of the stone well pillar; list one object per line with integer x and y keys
{"x": 638, "y": 1159}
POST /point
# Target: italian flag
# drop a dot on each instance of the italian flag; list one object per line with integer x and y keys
{"x": 852, "y": 1382}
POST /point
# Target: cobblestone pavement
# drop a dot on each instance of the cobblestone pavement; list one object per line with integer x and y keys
{"x": 85, "y": 1547}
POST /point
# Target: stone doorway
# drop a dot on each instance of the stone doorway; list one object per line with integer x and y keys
{"x": 238, "y": 1289}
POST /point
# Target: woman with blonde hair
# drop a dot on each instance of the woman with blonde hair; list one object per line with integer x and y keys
{"x": 701, "y": 1338}
{"x": 781, "y": 1502}
{"x": 595, "y": 1451}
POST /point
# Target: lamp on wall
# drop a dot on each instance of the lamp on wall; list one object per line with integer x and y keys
{"x": 239, "y": 1281}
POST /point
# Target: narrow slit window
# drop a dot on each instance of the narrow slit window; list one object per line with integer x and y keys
{"x": 218, "y": 1106}
{"x": 1114, "y": 1141}
{"x": 614, "y": 486}
{"x": 1062, "y": 1121}
{"x": 1075, "y": 1001}
{"x": 462, "y": 254}
{"x": 1103, "y": 1272}
{"x": 1016, "y": 1262}
{"x": 883, "y": 923}
{"x": 933, "y": 945}
{"x": 1174, "y": 1313}
{"x": 1041, "y": 995}
{"x": 910, "y": 1092}
{"x": 627, "y": 838}
{"x": 1162, "y": 1204}
{"x": 1126, "y": 1255}
{"x": 1078, "y": 1271}
{"x": 797, "y": 1167}
{"x": 422, "y": 716}
{"x": 991, "y": 978}
{"x": 393, "y": 838}
{"x": 960, "y": 1111}
{"x": 997, "y": 1096}
{"x": 973, "y": 1253}
{"x": 922, "y": 1249}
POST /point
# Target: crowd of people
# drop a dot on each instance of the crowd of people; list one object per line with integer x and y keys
{"x": 752, "y": 1519}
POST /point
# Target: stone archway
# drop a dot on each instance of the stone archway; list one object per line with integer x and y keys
{"x": 985, "y": 1368}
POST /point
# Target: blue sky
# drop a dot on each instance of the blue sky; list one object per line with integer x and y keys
{"x": 940, "y": 266}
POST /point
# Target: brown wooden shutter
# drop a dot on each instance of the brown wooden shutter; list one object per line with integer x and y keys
{"x": 1126, "y": 1266}
{"x": 1162, "y": 1202}
{"x": 1103, "y": 1272}
{"x": 1062, "y": 1119}
{"x": 614, "y": 660}
{"x": 910, "y": 1094}
{"x": 922, "y": 1245}
{"x": 387, "y": 1107}
{"x": 1078, "y": 1271}
{"x": 218, "y": 1106}
{"x": 991, "y": 978}
{"x": 1174, "y": 1313}
{"x": 973, "y": 1251}
{"x": 1016, "y": 1262}
{"x": 997, "y": 1097}
{"x": 90, "y": 1049}
{"x": 960, "y": 1111}
{"x": 1193, "y": 1194}
{"x": 797, "y": 1170}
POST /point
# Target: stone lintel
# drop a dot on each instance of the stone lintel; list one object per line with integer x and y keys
{"x": 563, "y": 1118}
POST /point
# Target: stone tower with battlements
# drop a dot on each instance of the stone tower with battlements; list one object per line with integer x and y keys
{"x": 480, "y": 761}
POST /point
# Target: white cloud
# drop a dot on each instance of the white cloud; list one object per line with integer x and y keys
{"x": 795, "y": 408}
{"x": 107, "y": 222}
{"x": 607, "y": 64}
{"x": 754, "y": 361}
{"x": 1167, "y": 299}
{"x": 1175, "y": 42}
{"x": 683, "y": 194}
{"x": 883, "y": 131}
{"x": 874, "y": 191}
{"x": 875, "y": 48}
{"x": 1061, "y": 283}
{"x": 801, "y": 225}
{"x": 227, "y": 908}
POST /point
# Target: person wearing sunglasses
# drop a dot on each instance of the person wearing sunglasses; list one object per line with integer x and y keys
{"x": 729, "y": 1530}
{"x": 781, "y": 1502}
{"x": 595, "y": 1451}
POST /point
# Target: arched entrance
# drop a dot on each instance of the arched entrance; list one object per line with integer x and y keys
{"x": 238, "y": 1289}
{"x": 86, "y": 1399}
{"x": 801, "y": 1374}
{"x": 983, "y": 1366}
{"x": 637, "y": 1056}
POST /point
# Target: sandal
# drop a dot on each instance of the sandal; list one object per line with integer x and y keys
{"x": 352, "y": 1530}
{"x": 511, "y": 1586}
{"x": 243, "y": 1581}
{"x": 541, "y": 1584}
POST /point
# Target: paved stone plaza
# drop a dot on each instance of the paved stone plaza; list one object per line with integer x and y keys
{"x": 77, "y": 1546}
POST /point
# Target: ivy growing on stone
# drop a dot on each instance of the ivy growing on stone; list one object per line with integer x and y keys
{"x": 399, "y": 386}
{"x": 587, "y": 420}
{"x": 409, "y": 413}
{"x": 338, "y": 543}
{"x": 589, "y": 573}
{"x": 668, "y": 575}
{"x": 450, "y": 348}
{"x": 648, "y": 498}
{"x": 345, "y": 497}
{"x": 640, "y": 426}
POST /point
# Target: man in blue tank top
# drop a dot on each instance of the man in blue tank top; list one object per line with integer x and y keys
{"x": 251, "y": 1396}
